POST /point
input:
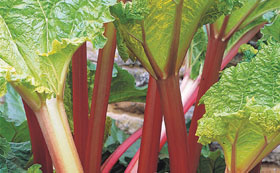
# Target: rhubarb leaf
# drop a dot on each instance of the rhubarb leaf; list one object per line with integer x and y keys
{"x": 243, "y": 110}
{"x": 154, "y": 20}
{"x": 38, "y": 39}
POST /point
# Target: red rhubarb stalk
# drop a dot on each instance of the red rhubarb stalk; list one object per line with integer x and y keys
{"x": 114, "y": 157}
{"x": 171, "y": 104}
{"x": 151, "y": 130}
{"x": 39, "y": 147}
{"x": 210, "y": 74}
{"x": 100, "y": 100}
{"x": 80, "y": 100}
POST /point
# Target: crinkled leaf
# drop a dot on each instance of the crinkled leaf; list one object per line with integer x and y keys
{"x": 157, "y": 20}
{"x": 38, "y": 39}
{"x": 272, "y": 30}
{"x": 243, "y": 108}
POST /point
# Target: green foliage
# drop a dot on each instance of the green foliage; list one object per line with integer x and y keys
{"x": 116, "y": 138}
{"x": 34, "y": 169}
{"x": 211, "y": 161}
{"x": 249, "y": 52}
{"x": 13, "y": 124}
{"x": 14, "y": 156}
{"x": 123, "y": 88}
{"x": 242, "y": 109}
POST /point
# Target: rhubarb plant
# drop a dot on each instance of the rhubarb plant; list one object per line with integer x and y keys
{"x": 38, "y": 39}
{"x": 242, "y": 110}
{"x": 154, "y": 32}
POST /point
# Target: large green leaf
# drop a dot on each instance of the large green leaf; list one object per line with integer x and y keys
{"x": 38, "y": 39}
{"x": 243, "y": 109}
{"x": 154, "y": 20}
